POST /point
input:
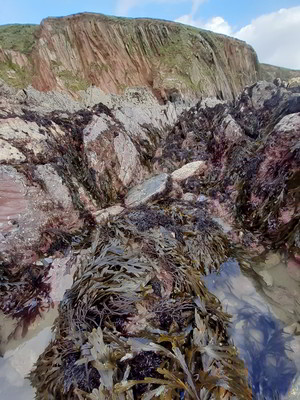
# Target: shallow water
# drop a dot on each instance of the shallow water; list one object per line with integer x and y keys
{"x": 265, "y": 314}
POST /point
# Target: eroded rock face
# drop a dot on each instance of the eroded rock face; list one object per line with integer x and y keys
{"x": 75, "y": 52}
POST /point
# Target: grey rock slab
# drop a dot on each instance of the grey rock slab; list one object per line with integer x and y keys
{"x": 148, "y": 190}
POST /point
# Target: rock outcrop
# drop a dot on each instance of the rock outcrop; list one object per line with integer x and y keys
{"x": 270, "y": 72}
{"x": 75, "y": 52}
{"x": 141, "y": 201}
{"x": 251, "y": 150}
{"x": 59, "y": 170}
{"x": 138, "y": 319}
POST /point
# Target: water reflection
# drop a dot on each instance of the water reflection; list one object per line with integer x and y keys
{"x": 256, "y": 332}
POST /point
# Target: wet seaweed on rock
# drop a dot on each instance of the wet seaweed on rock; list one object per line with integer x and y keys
{"x": 139, "y": 316}
{"x": 24, "y": 294}
{"x": 251, "y": 148}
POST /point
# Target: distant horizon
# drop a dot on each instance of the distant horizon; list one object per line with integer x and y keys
{"x": 271, "y": 27}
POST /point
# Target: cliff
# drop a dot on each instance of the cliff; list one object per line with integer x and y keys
{"x": 270, "y": 72}
{"x": 72, "y": 53}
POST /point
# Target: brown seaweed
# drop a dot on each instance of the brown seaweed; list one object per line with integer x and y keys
{"x": 139, "y": 314}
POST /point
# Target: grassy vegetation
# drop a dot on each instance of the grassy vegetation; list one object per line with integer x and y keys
{"x": 270, "y": 72}
{"x": 14, "y": 75}
{"x": 18, "y": 37}
{"x": 72, "y": 81}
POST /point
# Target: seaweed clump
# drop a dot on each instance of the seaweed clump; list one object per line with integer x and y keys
{"x": 138, "y": 322}
{"x": 251, "y": 148}
{"x": 24, "y": 294}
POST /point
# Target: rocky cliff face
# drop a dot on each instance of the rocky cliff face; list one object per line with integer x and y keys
{"x": 271, "y": 72}
{"x": 72, "y": 53}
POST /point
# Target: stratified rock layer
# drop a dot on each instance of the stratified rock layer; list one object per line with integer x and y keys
{"x": 75, "y": 52}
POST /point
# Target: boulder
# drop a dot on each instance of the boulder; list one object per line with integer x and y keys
{"x": 149, "y": 190}
{"x": 188, "y": 170}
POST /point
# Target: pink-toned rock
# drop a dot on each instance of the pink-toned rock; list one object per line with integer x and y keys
{"x": 194, "y": 168}
{"x": 13, "y": 202}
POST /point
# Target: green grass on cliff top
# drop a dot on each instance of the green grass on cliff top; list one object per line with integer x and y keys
{"x": 17, "y": 37}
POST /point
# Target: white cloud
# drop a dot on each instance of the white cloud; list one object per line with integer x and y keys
{"x": 274, "y": 36}
{"x": 215, "y": 24}
{"x": 123, "y": 6}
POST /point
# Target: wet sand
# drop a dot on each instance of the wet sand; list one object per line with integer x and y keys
{"x": 20, "y": 353}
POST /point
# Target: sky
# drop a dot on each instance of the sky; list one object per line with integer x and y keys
{"x": 272, "y": 27}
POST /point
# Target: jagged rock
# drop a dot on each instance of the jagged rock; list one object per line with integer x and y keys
{"x": 66, "y": 165}
{"x": 252, "y": 154}
{"x": 294, "y": 82}
{"x": 188, "y": 170}
{"x": 54, "y": 187}
{"x": 9, "y": 153}
{"x": 148, "y": 190}
{"x": 262, "y": 92}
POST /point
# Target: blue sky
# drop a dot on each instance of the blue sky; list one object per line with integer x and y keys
{"x": 241, "y": 18}
{"x": 236, "y": 12}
